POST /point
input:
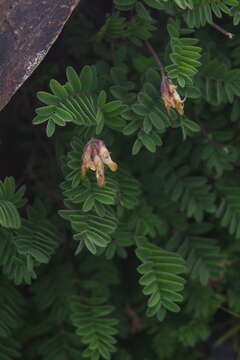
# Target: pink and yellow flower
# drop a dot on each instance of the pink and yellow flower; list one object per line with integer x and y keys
{"x": 170, "y": 96}
{"x": 95, "y": 156}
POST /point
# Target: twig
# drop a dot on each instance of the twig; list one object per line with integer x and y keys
{"x": 230, "y": 312}
{"x": 156, "y": 57}
{"x": 221, "y": 30}
{"x": 230, "y": 333}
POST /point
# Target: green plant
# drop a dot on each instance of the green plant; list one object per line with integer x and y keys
{"x": 98, "y": 258}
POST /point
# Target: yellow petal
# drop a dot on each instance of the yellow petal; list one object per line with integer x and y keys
{"x": 99, "y": 166}
{"x": 100, "y": 176}
{"x": 112, "y": 165}
{"x": 106, "y": 158}
{"x": 170, "y": 96}
{"x": 84, "y": 170}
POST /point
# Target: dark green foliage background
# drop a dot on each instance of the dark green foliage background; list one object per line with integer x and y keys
{"x": 148, "y": 266}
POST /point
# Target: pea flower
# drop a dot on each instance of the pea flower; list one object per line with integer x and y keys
{"x": 95, "y": 156}
{"x": 170, "y": 96}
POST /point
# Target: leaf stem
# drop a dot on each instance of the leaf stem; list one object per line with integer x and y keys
{"x": 221, "y": 30}
{"x": 156, "y": 57}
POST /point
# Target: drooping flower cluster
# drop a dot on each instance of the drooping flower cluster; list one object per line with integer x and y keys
{"x": 95, "y": 156}
{"x": 170, "y": 96}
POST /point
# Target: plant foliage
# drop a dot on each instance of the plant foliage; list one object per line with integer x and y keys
{"x": 141, "y": 262}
